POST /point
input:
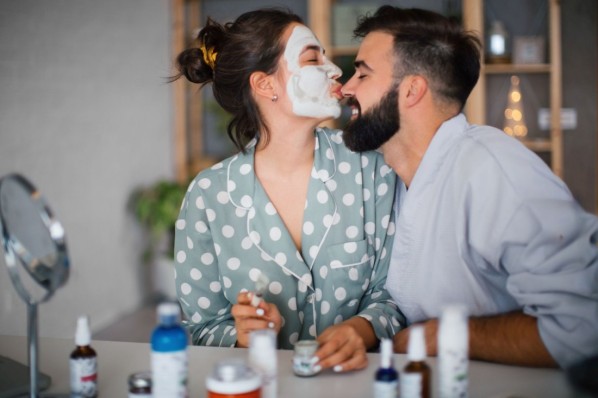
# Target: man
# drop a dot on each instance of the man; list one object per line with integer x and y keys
{"x": 480, "y": 220}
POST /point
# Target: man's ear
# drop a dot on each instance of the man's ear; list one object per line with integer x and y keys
{"x": 415, "y": 88}
{"x": 261, "y": 84}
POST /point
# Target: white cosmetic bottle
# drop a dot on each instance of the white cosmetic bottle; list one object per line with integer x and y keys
{"x": 263, "y": 359}
{"x": 453, "y": 344}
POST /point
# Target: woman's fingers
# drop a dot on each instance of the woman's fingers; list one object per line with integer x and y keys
{"x": 249, "y": 318}
{"x": 341, "y": 349}
{"x": 357, "y": 360}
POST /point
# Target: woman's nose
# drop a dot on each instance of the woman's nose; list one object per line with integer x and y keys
{"x": 332, "y": 71}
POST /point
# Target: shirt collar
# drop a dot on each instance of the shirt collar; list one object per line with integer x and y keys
{"x": 241, "y": 178}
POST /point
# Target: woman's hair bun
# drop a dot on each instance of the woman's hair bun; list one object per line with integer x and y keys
{"x": 192, "y": 61}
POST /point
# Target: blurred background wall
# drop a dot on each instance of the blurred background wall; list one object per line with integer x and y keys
{"x": 86, "y": 114}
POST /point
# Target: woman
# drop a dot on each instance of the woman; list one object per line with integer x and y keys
{"x": 294, "y": 209}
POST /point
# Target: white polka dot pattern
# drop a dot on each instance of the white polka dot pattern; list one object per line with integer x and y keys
{"x": 229, "y": 232}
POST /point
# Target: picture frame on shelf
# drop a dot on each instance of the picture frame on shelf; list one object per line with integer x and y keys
{"x": 529, "y": 50}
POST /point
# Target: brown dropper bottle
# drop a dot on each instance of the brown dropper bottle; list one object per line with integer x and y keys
{"x": 415, "y": 378}
{"x": 83, "y": 363}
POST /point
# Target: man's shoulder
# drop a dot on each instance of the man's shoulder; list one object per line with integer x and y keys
{"x": 489, "y": 144}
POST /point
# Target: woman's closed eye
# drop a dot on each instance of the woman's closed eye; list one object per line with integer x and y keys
{"x": 311, "y": 56}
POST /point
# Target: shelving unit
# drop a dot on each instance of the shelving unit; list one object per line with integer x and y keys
{"x": 320, "y": 12}
{"x": 473, "y": 19}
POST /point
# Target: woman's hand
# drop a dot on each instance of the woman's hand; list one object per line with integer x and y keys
{"x": 249, "y": 318}
{"x": 343, "y": 347}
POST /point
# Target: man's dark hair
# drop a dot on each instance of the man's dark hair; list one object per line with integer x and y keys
{"x": 429, "y": 44}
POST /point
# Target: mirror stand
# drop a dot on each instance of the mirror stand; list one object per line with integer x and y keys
{"x": 32, "y": 349}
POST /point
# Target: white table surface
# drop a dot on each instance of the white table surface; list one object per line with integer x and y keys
{"x": 117, "y": 360}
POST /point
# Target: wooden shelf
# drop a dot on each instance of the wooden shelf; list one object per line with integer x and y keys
{"x": 473, "y": 20}
{"x": 538, "y": 144}
{"x": 514, "y": 68}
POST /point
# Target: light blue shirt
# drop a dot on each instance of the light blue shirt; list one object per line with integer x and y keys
{"x": 229, "y": 232}
{"x": 485, "y": 223}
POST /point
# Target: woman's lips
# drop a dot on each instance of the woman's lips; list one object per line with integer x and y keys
{"x": 336, "y": 92}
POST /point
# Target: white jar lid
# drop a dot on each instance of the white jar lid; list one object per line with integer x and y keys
{"x": 233, "y": 377}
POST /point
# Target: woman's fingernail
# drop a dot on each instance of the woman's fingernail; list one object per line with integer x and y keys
{"x": 271, "y": 325}
{"x": 260, "y": 311}
{"x": 314, "y": 360}
{"x": 317, "y": 368}
{"x": 338, "y": 368}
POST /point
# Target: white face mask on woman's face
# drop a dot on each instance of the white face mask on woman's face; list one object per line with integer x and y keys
{"x": 309, "y": 86}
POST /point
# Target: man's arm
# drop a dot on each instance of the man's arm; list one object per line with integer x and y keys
{"x": 511, "y": 338}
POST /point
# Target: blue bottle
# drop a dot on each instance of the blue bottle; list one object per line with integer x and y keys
{"x": 386, "y": 382}
{"x": 169, "y": 354}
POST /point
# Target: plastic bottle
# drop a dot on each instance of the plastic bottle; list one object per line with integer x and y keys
{"x": 169, "y": 354}
{"x": 453, "y": 345}
{"x": 83, "y": 363}
{"x": 415, "y": 378}
{"x": 263, "y": 359}
{"x": 387, "y": 378}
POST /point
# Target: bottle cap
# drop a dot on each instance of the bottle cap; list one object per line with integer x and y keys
{"x": 416, "y": 350}
{"x": 262, "y": 340}
{"x": 453, "y": 314}
{"x": 386, "y": 353}
{"x": 453, "y": 327}
{"x": 82, "y": 333}
{"x": 231, "y": 377}
{"x": 141, "y": 380}
{"x": 168, "y": 313}
{"x": 306, "y": 347}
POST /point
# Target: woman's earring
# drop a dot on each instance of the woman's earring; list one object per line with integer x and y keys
{"x": 274, "y": 98}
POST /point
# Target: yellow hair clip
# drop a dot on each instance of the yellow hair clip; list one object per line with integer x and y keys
{"x": 209, "y": 55}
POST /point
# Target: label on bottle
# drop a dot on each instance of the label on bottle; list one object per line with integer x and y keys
{"x": 169, "y": 374}
{"x": 84, "y": 377}
{"x": 453, "y": 374}
{"x": 411, "y": 385}
{"x": 385, "y": 389}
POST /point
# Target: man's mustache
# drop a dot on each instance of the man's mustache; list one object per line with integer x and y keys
{"x": 351, "y": 101}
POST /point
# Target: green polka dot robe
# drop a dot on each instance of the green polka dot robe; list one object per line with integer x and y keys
{"x": 229, "y": 232}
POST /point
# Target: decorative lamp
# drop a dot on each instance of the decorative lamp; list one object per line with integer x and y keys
{"x": 514, "y": 119}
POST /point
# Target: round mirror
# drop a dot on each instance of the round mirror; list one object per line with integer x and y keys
{"x": 38, "y": 264}
{"x": 34, "y": 241}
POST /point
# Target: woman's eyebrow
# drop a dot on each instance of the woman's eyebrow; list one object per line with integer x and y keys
{"x": 312, "y": 47}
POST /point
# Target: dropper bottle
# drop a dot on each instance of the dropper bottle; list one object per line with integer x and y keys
{"x": 387, "y": 378}
{"x": 83, "y": 363}
{"x": 415, "y": 378}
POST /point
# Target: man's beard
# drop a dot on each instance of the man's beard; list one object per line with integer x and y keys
{"x": 373, "y": 128}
